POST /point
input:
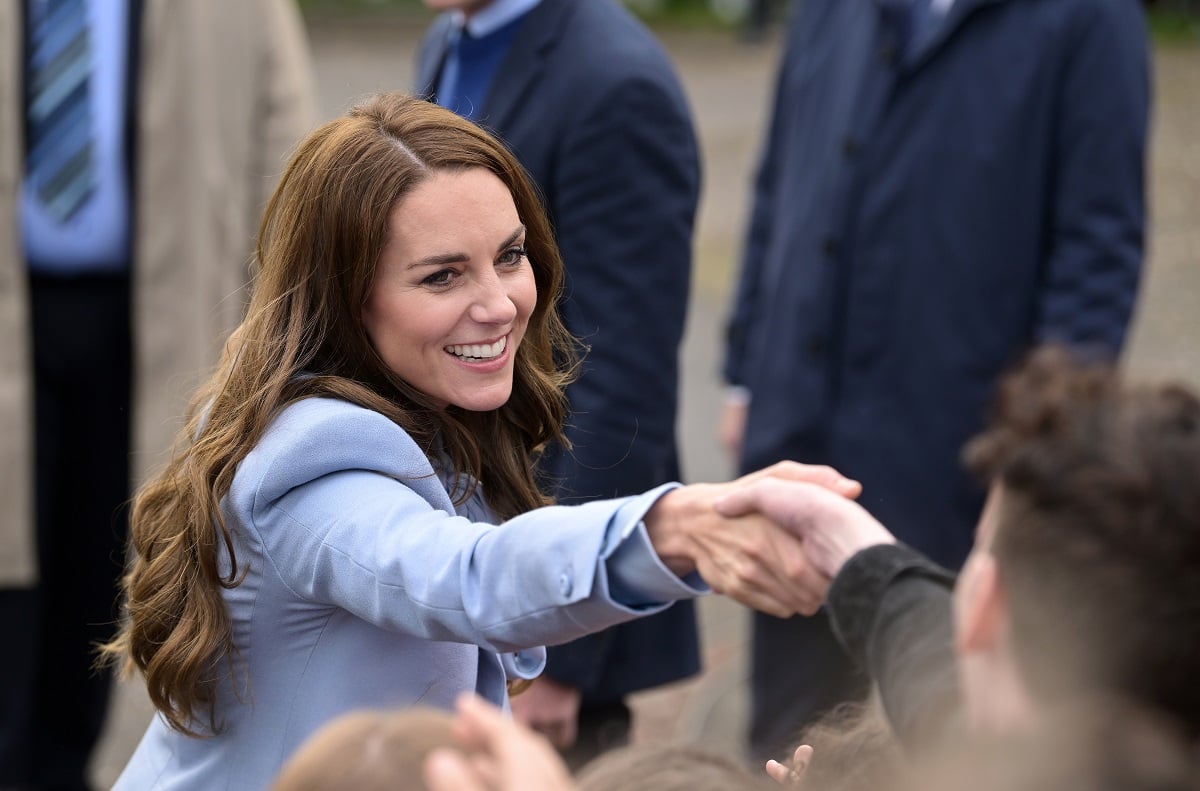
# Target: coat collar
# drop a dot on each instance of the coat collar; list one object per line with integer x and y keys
{"x": 518, "y": 72}
{"x": 524, "y": 62}
{"x": 937, "y": 36}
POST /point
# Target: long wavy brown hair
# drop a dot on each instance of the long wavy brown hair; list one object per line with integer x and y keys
{"x": 320, "y": 241}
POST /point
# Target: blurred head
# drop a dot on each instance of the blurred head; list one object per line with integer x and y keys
{"x": 368, "y": 751}
{"x": 853, "y": 749}
{"x": 1083, "y": 579}
{"x": 1104, "y": 745}
{"x": 665, "y": 767}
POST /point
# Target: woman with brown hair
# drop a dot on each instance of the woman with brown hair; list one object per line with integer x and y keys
{"x": 350, "y": 517}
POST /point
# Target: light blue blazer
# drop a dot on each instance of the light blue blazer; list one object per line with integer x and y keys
{"x": 364, "y": 587}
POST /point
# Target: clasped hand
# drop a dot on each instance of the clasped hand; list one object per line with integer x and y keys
{"x": 772, "y": 540}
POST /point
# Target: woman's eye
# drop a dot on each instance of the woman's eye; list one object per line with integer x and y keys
{"x": 513, "y": 255}
{"x": 440, "y": 278}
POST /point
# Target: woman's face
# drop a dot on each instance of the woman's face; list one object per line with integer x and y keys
{"x": 453, "y": 290}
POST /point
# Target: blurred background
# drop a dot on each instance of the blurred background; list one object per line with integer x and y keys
{"x": 726, "y": 52}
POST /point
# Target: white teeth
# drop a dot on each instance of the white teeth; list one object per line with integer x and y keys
{"x": 479, "y": 351}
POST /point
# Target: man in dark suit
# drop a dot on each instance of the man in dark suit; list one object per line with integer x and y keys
{"x": 589, "y": 102}
{"x": 944, "y": 183}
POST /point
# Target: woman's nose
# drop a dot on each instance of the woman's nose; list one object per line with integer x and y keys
{"x": 492, "y": 303}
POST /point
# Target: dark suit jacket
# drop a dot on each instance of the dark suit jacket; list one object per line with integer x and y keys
{"x": 588, "y": 101}
{"x": 921, "y": 218}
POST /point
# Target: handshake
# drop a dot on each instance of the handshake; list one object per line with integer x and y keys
{"x": 772, "y": 540}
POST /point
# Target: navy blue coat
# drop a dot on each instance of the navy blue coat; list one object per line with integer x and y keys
{"x": 588, "y": 101}
{"x": 921, "y": 218}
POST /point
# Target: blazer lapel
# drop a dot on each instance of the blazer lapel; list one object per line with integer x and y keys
{"x": 523, "y": 64}
{"x": 431, "y": 57}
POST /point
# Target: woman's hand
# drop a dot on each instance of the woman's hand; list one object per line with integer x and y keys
{"x": 832, "y": 529}
{"x": 745, "y": 556}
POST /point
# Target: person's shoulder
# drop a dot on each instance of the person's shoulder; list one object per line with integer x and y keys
{"x": 315, "y": 437}
{"x": 612, "y": 45}
{"x": 1080, "y": 16}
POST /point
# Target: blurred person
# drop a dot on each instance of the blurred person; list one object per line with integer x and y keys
{"x": 1081, "y": 584}
{"x": 944, "y": 183}
{"x": 669, "y": 767}
{"x": 496, "y": 753}
{"x": 368, "y": 751}
{"x": 588, "y": 101}
{"x": 850, "y": 747}
{"x": 138, "y": 141}
{"x": 1107, "y": 745}
{"x": 350, "y": 517}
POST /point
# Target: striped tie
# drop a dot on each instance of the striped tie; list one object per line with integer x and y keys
{"x": 59, "y": 160}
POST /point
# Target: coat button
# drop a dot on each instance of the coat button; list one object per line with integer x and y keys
{"x": 887, "y": 54}
{"x": 829, "y": 246}
{"x": 851, "y": 147}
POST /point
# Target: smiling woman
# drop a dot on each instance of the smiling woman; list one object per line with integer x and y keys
{"x": 321, "y": 540}
{"x": 450, "y": 302}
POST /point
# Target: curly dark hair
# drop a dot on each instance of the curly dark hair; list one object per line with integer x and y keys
{"x": 1098, "y": 536}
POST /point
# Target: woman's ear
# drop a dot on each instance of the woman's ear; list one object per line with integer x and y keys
{"x": 980, "y": 606}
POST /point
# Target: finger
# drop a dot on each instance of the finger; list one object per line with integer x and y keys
{"x": 778, "y": 772}
{"x": 479, "y": 724}
{"x": 818, "y": 474}
{"x": 447, "y": 770}
{"x": 801, "y": 759}
{"x": 759, "y": 565}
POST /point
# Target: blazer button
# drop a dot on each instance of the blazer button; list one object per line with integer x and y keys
{"x": 564, "y": 584}
{"x": 887, "y": 54}
{"x": 829, "y": 247}
{"x": 851, "y": 147}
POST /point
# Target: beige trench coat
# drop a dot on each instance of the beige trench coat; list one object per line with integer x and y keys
{"x": 225, "y": 91}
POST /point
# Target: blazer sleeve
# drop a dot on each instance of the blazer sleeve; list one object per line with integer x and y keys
{"x": 344, "y": 524}
{"x": 891, "y": 610}
{"x": 1098, "y": 186}
{"x": 624, "y": 200}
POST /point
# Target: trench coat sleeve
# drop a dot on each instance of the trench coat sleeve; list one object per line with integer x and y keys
{"x": 891, "y": 609}
{"x": 1098, "y": 199}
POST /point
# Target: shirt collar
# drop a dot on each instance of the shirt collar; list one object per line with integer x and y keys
{"x": 493, "y": 16}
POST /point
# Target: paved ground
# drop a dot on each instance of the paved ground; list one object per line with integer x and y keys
{"x": 729, "y": 85}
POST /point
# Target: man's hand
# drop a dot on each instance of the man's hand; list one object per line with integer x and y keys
{"x": 551, "y": 709}
{"x": 746, "y": 557}
{"x": 831, "y": 528}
